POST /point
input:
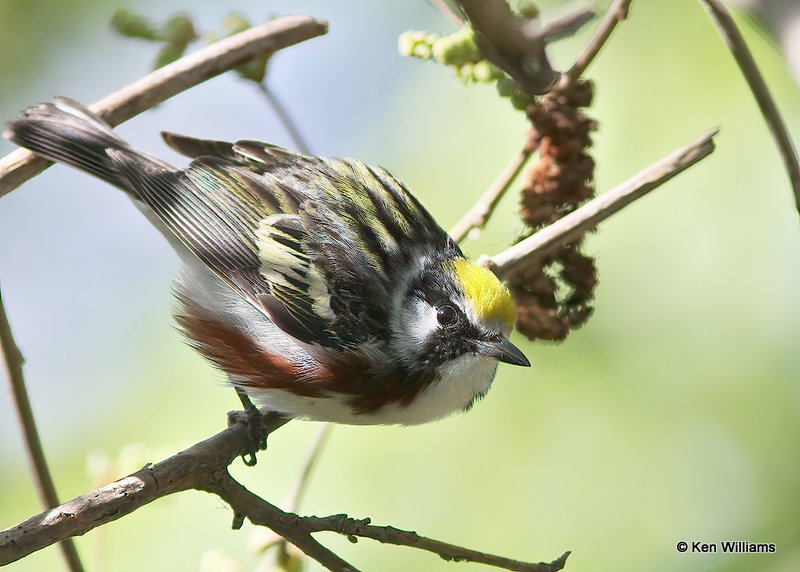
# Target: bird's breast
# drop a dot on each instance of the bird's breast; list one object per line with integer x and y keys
{"x": 389, "y": 401}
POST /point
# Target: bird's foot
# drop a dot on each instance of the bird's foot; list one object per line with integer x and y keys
{"x": 253, "y": 420}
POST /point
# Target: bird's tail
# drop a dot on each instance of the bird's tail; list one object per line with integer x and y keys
{"x": 66, "y": 132}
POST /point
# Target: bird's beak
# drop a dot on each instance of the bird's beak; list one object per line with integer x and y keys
{"x": 504, "y": 351}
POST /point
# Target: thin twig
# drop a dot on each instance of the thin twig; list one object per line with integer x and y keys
{"x": 163, "y": 83}
{"x": 617, "y": 11}
{"x": 287, "y": 525}
{"x": 285, "y": 117}
{"x": 589, "y": 215}
{"x": 324, "y": 430}
{"x": 389, "y": 535}
{"x": 480, "y": 212}
{"x": 448, "y": 12}
{"x": 45, "y": 487}
{"x": 567, "y": 25}
{"x": 744, "y": 58}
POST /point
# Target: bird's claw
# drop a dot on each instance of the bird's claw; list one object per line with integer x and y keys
{"x": 251, "y": 417}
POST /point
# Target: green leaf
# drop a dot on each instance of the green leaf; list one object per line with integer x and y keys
{"x": 169, "y": 53}
{"x": 235, "y": 23}
{"x": 131, "y": 25}
{"x": 179, "y": 29}
{"x": 255, "y": 69}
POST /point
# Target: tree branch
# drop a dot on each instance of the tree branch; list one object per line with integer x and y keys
{"x": 511, "y": 45}
{"x": 106, "y": 504}
{"x": 45, "y": 487}
{"x": 204, "y": 467}
{"x": 163, "y": 83}
{"x": 287, "y": 525}
{"x": 589, "y": 215}
{"x": 733, "y": 37}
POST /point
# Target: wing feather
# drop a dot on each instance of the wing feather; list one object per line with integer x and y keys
{"x": 302, "y": 238}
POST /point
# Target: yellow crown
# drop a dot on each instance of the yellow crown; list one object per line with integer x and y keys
{"x": 489, "y": 297}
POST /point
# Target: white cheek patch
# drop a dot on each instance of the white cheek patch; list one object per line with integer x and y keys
{"x": 423, "y": 316}
{"x": 412, "y": 328}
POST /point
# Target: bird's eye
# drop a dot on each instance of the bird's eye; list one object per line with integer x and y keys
{"x": 446, "y": 315}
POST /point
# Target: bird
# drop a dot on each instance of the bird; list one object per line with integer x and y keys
{"x": 321, "y": 287}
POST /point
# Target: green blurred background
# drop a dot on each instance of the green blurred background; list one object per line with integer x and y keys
{"x": 673, "y": 415}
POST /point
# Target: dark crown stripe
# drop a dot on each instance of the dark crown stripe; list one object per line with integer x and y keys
{"x": 398, "y": 197}
{"x": 388, "y": 219}
{"x": 373, "y": 244}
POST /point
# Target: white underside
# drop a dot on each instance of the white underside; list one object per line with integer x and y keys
{"x": 461, "y": 381}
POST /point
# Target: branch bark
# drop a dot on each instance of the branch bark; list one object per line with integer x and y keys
{"x": 163, "y": 83}
{"x": 106, "y": 504}
{"x": 204, "y": 467}
{"x": 450, "y": 552}
{"x": 589, "y": 215}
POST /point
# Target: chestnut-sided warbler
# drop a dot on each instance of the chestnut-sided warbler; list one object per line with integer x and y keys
{"x": 320, "y": 287}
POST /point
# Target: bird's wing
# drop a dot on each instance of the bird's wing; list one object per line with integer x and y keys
{"x": 371, "y": 236}
{"x": 320, "y": 245}
{"x": 299, "y": 300}
{"x": 213, "y": 210}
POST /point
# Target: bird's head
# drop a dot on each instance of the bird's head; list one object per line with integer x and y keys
{"x": 455, "y": 307}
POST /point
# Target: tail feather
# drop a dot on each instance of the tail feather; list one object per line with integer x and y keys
{"x": 66, "y": 132}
